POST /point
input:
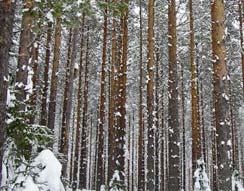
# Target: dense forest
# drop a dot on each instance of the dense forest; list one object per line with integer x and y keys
{"x": 121, "y": 95}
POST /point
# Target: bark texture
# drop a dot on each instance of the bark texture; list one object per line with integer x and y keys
{"x": 54, "y": 77}
{"x": 7, "y": 8}
{"x": 195, "y": 120}
{"x": 43, "y": 120}
{"x": 101, "y": 121}
{"x": 79, "y": 106}
{"x": 221, "y": 97}
{"x": 173, "y": 107}
{"x": 141, "y": 158}
{"x": 24, "y": 53}
{"x": 150, "y": 97}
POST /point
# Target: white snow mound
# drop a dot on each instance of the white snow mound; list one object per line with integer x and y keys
{"x": 49, "y": 170}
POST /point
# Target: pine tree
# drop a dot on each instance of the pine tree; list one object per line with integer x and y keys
{"x": 150, "y": 96}
{"x": 79, "y": 105}
{"x": 121, "y": 102}
{"x": 7, "y": 10}
{"x": 43, "y": 120}
{"x": 221, "y": 96}
{"x": 241, "y": 8}
{"x": 83, "y": 150}
{"x": 141, "y": 158}
{"x": 24, "y": 53}
{"x": 173, "y": 123}
{"x": 111, "y": 105}
{"x": 101, "y": 120}
{"x": 66, "y": 130}
{"x": 54, "y": 77}
{"x": 195, "y": 122}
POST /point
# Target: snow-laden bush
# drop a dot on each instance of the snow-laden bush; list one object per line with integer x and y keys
{"x": 236, "y": 182}
{"x": 116, "y": 183}
{"x": 201, "y": 178}
{"x": 42, "y": 174}
{"x": 20, "y": 132}
{"x": 23, "y": 140}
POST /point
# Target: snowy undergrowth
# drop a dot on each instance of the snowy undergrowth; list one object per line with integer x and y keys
{"x": 201, "y": 178}
{"x": 236, "y": 182}
{"x": 42, "y": 174}
{"x": 116, "y": 183}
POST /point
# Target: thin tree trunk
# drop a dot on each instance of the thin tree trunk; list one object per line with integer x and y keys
{"x": 24, "y": 53}
{"x": 221, "y": 96}
{"x": 35, "y": 77}
{"x": 157, "y": 133}
{"x": 111, "y": 121}
{"x": 133, "y": 153}
{"x": 129, "y": 152}
{"x": 83, "y": 150}
{"x": 66, "y": 87}
{"x": 183, "y": 130}
{"x": 204, "y": 151}
{"x": 150, "y": 97}
{"x": 196, "y": 131}
{"x": 90, "y": 154}
{"x": 121, "y": 101}
{"x": 214, "y": 159}
{"x": 173, "y": 113}
{"x": 79, "y": 105}
{"x": 68, "y": 101}
{"x": 141, "y": 159}
{"x": 54, "y": 77}
{"x": 7, "y": 10}
{"x": 241, "y": 8}
{"x": 101, "y": 163}
{"x": 162, "y": 139}
{"x": 43, "y": 120}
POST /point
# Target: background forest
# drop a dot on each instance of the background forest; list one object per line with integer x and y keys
{"x": 121, "y": 95}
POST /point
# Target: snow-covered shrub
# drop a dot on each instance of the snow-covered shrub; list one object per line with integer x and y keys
{"x": 23, "y": 140}
{"x": 42, "y": 174}
{"x": 201, "y": 178}
{"x": 236, "y": 182}
{"x": 22, "y": 133}
{"x": 116, "y": 184}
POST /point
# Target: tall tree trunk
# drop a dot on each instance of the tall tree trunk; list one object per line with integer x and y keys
{"x": 204, "y": 151}
{"x": 111, "y": 109}
{"x": 43, "y": 120}
{"x": 163, "y": 141}
{"x": 35, "y": 77}
{"x": 173, "y": 113}
{"x": 90, "y": 154}
{"x": 221, "y": 103}
{"x": 234, "y": 138}
{"x": 79, "y": 105}
{"x": 214, "y": 150}
{"x": 157, "y": 133}
{"x": 66, "y": 87}
{"x": 129, "y": 150}
{"x": 183, "y": 130}
{"x": 141, "y": 158}
{"x": 150, "y": 97}
{"x": 83, "y": 150}
{"x": 196, "y": 131}
{"x": 54, "y": 77}
{"x": 101, "y": 121}
{"x": 7, "y": 9}
{"x": 241, "y": 5}
{"x": 24, "y": 53}
{"x": 66, "y": 129}
{"x": 121, "y": 100}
